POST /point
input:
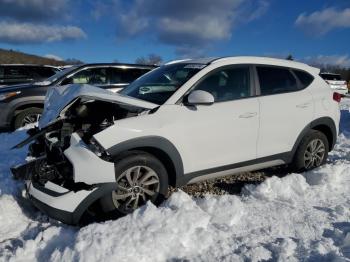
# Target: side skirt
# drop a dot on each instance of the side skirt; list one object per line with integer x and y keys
{"x": 245, "y": 166}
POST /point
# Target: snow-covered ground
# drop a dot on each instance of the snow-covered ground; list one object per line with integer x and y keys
{"x": 297, "y": 217}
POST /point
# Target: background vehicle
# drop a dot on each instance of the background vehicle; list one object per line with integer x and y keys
{"x": 19, "y": 74}
{"x": 184, "y": 122}
{"x": 335, "y": 82}
{"x": 23, "y": 104}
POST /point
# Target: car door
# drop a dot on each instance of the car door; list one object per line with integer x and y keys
{"x": 216, "y": 137}
{"x": 285, "y": 110}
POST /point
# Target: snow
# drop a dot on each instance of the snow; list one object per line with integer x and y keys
{"x": 296, "y": 217}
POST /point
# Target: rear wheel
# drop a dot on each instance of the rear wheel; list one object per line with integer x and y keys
{"x": 27, "y": 116}
{"x": 312, "y": 151}
{"x": 140, "y": 177}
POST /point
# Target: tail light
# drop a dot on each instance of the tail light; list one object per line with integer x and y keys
{"x": 337, "y": 97}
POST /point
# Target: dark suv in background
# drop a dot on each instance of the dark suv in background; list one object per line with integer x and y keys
{"x": 23, "y": 104}
{"x": 19, "y": 74}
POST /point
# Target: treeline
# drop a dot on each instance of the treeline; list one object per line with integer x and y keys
{"x": 16, "y": 57}
{"x": 343, "y": 71}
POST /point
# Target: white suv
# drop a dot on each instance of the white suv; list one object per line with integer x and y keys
{"x": 187, "y": 121}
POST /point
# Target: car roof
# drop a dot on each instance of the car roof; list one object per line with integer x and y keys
{"x": 251, "y": 60}
{"x": 118, "y": 64}
{"x": 29, "y": 65}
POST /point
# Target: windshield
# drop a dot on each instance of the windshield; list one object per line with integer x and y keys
{"x": 158, "y": 85}
{"x": 58, "y": 75}
{"x": 335, "y": 77}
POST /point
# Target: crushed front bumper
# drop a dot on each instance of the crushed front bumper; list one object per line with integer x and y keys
{"x": 59, "y": 202}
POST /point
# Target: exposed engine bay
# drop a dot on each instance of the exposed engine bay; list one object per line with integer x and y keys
{"x": 84, "y": 116}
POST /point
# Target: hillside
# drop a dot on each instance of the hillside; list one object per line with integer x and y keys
{"x": 15, "y": 57}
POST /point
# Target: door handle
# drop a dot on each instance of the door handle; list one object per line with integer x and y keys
{"x": 303, "y": 105}
{"x": 248, "y": 115}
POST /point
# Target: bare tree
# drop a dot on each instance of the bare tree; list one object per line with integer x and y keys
{"x": 152, "y": 59}
{"x": 290, "y": 57}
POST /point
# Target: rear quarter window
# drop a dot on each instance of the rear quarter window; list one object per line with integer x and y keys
{"x": 304, "y": 78}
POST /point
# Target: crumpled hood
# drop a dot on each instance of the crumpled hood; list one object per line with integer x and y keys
{"x": 59, "y": 97}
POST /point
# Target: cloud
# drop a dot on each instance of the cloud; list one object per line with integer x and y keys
{"x": 24, "y": 33}
{"x": 55, "y": 57}
{"x": 323, "y": 60}
{"x": 32, "y": 10}
{"x": 321, "y": 22}
{"x": 189, "y": 25}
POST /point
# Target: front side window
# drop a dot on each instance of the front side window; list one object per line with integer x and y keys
{"x": 161, "y": 83}
{"x": 43, "y": 72}
{"x": 227, "y": 84}
{"x": 125, "y": 75}
{"x": 91, "y": 76}
{"x": 276, "y": 80}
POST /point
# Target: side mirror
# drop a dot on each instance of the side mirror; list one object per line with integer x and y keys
{"x": 200, "y": 97}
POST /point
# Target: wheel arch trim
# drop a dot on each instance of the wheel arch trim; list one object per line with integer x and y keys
{"x": 322, "y": 121}
{"x": 156, "y": 142}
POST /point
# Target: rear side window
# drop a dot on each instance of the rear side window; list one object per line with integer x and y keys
{"x": 276, "y": 80}
{"x": 16, "y": 73}
{"x": 125, "y": 75}
{"x": 227, "y": 84}
{"x": 304, "y": 78}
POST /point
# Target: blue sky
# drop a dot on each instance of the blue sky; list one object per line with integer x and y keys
{"x": 104, "y": 31}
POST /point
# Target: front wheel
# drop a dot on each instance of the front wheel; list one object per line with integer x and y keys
{"x": 312, "y": 152}
{"x": 27, "y": 116}
{"x": 140, "y": 177}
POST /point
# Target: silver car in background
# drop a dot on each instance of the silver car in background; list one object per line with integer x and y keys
{"x": 335, "y": 82}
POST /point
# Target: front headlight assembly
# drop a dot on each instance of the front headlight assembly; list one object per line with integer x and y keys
{"x": 5, "y": 96}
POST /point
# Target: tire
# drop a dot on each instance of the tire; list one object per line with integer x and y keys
{"x": 304, "y": 159}
{"x": 115, "y": 204}
{"x": 23, "y": 118}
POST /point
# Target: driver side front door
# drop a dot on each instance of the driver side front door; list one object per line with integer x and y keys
{"x": 221, "y": 136}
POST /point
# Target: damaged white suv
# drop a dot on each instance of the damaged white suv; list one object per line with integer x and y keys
{"x": 97, "y": 152}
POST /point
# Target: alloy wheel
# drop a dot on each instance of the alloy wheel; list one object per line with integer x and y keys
{"x": 135, "y": 187}
{"x": 314, "y": 154}
{"x": 30, "y": 119}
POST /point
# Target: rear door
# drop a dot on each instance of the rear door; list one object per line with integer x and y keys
{"x": 286, "y": 108}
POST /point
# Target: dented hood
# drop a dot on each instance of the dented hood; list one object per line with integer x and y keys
{"x": 59, "y": 97}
